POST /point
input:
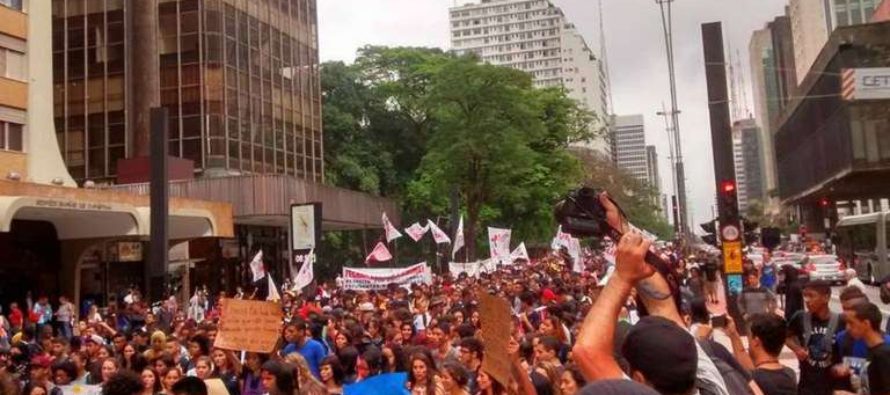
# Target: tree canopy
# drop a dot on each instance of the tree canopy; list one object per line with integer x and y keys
{"x": 418, "y": 125}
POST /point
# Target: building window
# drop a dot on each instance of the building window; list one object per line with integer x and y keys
{"x": 14, "y": 4}
{"x": 11, "y": 136}
{"x": 13, "y": 64}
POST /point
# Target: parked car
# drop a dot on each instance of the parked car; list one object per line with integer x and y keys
{"x": 825, "y": 268}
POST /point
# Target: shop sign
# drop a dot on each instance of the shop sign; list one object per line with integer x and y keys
{"x": 129, "y": 251}
{"x": 72, "y": 204}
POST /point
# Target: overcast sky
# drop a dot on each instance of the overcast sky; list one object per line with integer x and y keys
{"x": 635, "y": 49}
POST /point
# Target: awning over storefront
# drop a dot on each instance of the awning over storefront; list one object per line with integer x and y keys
{"x": 91, "y": 213}
{"x": 265, "y": 200}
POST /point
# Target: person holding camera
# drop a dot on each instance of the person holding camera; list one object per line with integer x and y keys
{"x": 659, "y": 350}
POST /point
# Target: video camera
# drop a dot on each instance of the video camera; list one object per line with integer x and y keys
{"x": 582, "y": 214}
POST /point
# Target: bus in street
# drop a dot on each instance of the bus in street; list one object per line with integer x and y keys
{"x": 862, "y": 243}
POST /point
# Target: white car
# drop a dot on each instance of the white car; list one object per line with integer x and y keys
{"x": 824, "y": 268}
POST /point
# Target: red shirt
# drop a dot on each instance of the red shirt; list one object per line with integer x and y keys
{"x": 16, "y": 318}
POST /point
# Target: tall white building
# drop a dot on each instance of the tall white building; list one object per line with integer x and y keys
{"x": 630, "y": 145}
{"x": 535, "y": 36}
{"x": 738, "y": 158}
{"x": 812, "y": 21}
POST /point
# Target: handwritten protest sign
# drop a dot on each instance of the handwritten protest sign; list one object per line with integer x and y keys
{"x": 248, "y": 325}
{"x": 494, "y": 314}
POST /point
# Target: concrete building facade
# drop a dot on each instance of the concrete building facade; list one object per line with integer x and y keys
{"x": 536, "y": 37}
{"x": 630, "y": 145}
{"x": 812, "y": 21}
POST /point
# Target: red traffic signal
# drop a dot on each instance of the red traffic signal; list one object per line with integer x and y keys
{"x": 727, "y": 186}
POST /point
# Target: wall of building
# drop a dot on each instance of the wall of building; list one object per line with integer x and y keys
{"x": 535, "y": 36}
{"x": 240, "y": 80}
{"x": 630, "y": 145}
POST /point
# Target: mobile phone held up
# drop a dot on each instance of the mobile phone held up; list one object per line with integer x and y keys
{"x": 718, "y": 321}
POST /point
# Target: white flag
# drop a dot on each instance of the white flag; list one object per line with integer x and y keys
{"x": 519, "y": 253}
{"x": 256, "y": 266}
{"x": 561, "y": 239}
{"x": 305, "y": 276}
{"x": 391, "y": 232}
{"x": 499, "y": 244}
{"x": 575, "y": 253}
{"x": 458, "y": 238}
{"x": 438, "y": 234}
{"x": 415, "y": 231}
{"x": 379, "y": 254}
{"x": 274, "y": 296}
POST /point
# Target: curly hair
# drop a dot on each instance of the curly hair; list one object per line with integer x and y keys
{"x": 123, "y": 382}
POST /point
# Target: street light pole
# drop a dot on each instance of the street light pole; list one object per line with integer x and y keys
{"x": 678, "y": 168}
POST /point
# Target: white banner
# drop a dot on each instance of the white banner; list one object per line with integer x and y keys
{"x": 79, "y": 389}
{"x": 438, "y": 235}
{"x": 376, "y": 279}
{"x": 499, "y": 244}
{"x": 472, "y": 269}
{"x": 575, "y": 253}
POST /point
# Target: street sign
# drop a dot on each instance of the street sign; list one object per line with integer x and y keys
{"x": 732, "y": 257}
{"x": 730, "y": 233}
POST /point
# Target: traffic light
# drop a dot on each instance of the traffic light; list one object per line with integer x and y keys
{"x": 729, "y": 202}
{"x": 824, "y": 202}
{"x": 710, "y": 229}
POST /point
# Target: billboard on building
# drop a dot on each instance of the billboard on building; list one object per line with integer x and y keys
{"x": 871, "y": 83}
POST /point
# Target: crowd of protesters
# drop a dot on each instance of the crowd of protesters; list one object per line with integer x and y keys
{"x": 617, "y": 328}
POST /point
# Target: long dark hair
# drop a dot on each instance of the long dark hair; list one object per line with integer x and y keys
{"x": 285, "y": 377}
{"x": 157, "y": 387}
{"x": 430, "y": 372}
{"x": 336, "y": 368}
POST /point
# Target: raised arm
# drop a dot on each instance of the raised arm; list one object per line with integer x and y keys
{"x": 593, "y": 352}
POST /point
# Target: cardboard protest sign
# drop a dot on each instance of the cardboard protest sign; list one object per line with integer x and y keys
{"x": 494, "y": 314}
{"x": 248, "y": 325}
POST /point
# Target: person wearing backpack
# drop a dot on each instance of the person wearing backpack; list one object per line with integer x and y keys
{"x": 812, "y": 338}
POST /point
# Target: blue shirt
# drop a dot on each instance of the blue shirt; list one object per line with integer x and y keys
{"x": 859, "y": 348}
{"x": 382, "y": 384}
{"x": 312, "y": 351}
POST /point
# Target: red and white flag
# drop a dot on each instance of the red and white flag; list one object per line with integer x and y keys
{"x": 438, "y": 234}
{"x": 416, "y": 232}
{"x": 519, "y": 253}
{"x": 499, "y": 244}
{"x": 458, "y": 238}
{"x": 379, "y": 254}
{"x": 391, "y": 232}
{"x": 256, "y": 266}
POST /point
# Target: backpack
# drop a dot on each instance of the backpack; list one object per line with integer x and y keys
{"x": 736, "y": 381}
{"x": 820, "y": 351}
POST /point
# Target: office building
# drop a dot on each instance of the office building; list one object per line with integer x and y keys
{"x": 652, "y": 175}
{"x": 54, "y": 236}
{"x": 536, "y": 37}
{"x": 240, "y": 80}
{"x": 748, "y": 161}
{"x": 812, "y": 21}
{"x": 630, "y": 145}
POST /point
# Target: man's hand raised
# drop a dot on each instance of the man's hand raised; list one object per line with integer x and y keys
{"x": 630, "y": 258}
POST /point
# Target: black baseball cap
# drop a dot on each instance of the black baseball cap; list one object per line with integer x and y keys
{"x": 663, "y": 352}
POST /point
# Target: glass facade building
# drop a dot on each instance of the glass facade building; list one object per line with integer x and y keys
{"x": 240, "y": 80}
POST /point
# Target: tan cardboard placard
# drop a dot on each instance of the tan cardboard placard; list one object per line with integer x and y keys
{"x": 494, "y": 314}
{"x": 248, "y": 325}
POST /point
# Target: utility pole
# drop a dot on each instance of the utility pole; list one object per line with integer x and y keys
{"x": 667, "y": 27}
{"x": 673, "y": 158}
